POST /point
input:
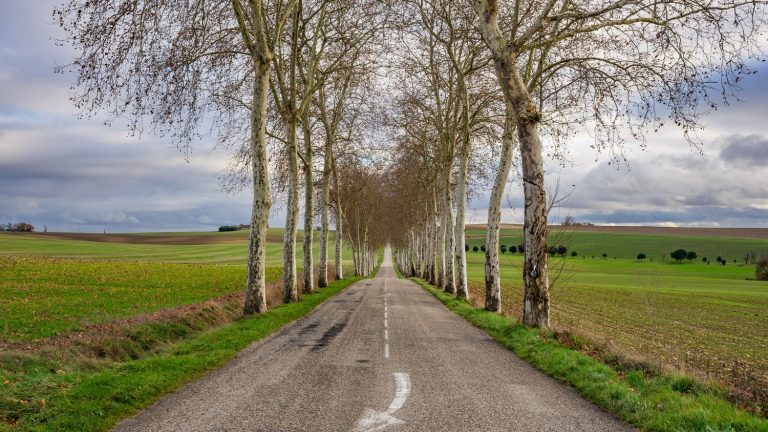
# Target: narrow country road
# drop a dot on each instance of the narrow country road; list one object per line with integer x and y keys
{"x": 382, "y": 355}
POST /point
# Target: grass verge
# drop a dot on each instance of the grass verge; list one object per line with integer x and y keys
{"x": 653, "y": 403}
{"x": 39, "y": 393}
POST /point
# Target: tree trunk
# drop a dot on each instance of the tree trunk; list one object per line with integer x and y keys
{"x": 536, "y": 297}
{"x": 339, "y": 225}
{"x": 439, "y": 244}
{"x": 322, "y": 281}
{"x": 309, "y": 220}
{"x": 450, "y": 282}
{"x": 462, "y": 290}
{"x": 290, "y": 291}
{"x": 255, "y": 289}
{"x": 492, "y": 273}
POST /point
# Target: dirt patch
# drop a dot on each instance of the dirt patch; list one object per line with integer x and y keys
{"x": 151, "y": 239}
{"x": 752, "y": 233}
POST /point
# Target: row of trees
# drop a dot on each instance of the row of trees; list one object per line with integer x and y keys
{"x": 390, "y": 115}
{"x": 17, "y": 227}
{"x": 511, "y": 82}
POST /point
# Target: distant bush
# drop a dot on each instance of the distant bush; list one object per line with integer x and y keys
{"x": 679, "y": 255}
{"x": 466, "y": 247}
{"x": 227, "y": 228}
{"x": 512, "y": 249}
{"x": 562, "y": 250}
{"x": 691, "y": 255}
{"x": 641, "y": 256}
{"x": 503, "y": 248}
{"x": 605, "y": 255}
{"x": 474, "y": 249}
{"x": 521, "y": 248}
{"x": 574, "y": 253}
{"x": 761, "y": 269}
{"x": 482, "y": 248}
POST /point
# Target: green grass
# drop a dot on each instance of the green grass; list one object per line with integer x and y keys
{"x": 706, "y": 320}
{"x": 50, "y": 286}
{"x": 656, "y": 403}
{"x": 38, "y": 393}
{"x": 628, "y": 246}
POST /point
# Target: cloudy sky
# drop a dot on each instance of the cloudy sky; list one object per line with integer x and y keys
{"x": 78, "y": 175}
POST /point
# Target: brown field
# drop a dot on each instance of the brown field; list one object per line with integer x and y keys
{"x": 154, "y": 239}
{"x": 752, "y": 233}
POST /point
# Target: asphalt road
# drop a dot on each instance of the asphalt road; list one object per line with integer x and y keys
{"x": 382, "y": 355}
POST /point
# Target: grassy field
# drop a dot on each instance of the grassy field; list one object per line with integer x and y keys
{"x": 704, "y": 319}
{"x": 94, "y": 327}
{"x": 50, "y": 284}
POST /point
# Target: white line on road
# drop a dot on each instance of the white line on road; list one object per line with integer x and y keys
{"x": 386, "y": 335}
{"x": 386, "y": 350}
{"x": 372, "y": 420}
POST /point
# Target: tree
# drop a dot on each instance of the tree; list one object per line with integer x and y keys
{"x": 641, "y": 257}
{"x": 512, "y": 249}
{"x": 562, "y": 250}
{"x": 466, "y": 247}
{"x": 658, "y": 62}
{"x": 761, "y": 269}
{"x": 691, "y": 255}
{"x": 172, "y": 62}
{"x": 474, "y": 249}
{"x": 605, "y": 256}
{"x": 503, "y": 248}
{"x": 482, "y": 248}
{"x": 679, "y": 255}
{"x": 574, "y": 253}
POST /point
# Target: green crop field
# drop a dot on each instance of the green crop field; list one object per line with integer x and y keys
{"x": 705, "y": 319}
{"x": 50, "y": 285}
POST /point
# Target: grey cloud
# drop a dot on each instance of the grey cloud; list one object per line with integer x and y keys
{"x": 749, "y": 150}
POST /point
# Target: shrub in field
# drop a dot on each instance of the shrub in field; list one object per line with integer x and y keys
{"x": 691, "y": 255}
{"x": 521, "y": 248}
{"x": 561, "y": 250}
{"x": 513, "y": 249}
{"x": 474, "y": 249}
{"x": 574, "y": 253}
{"x": 761, "y": 269}
{"x": 605, "y": 256}
{"x": 679, "y": 255}
{"x": 482, "y": 248}
{"x": 503, "y": 248}
{"x": 641, "y": 256}
{"x": 466, "y": 248}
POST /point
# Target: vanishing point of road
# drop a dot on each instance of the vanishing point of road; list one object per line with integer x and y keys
{"x": 383, "y": 355}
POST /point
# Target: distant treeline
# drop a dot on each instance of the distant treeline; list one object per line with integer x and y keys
{"x": 17, "y": 227}
{"x": 226, "y": 228}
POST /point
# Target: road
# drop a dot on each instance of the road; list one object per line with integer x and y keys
{"x": 382, "y": 355}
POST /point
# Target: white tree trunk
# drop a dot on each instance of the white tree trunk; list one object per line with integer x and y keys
{"x": 492, "y": 273}
{"x": 462, "y": 290}
{"x": 255, "y": 288}
{"x": 450, "y": 282}
{"x": 325, "y": 197}
{"x": 290, "y": 291}
{"x": 309, "y": 216}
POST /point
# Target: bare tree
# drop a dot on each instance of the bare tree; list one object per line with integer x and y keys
{"x": 184, "y": 65}
{"x": 606, "y": 63}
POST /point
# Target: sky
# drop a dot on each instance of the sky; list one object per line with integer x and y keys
{"x": 72, "y": 174}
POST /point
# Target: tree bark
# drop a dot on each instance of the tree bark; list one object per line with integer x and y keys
{"x": 339, "y": 226}
{"x": 309, "y": 220}
{"x": 255, "y": 288}
{"x": 492, "y": 272}
{"x": 462, "y": 290}
{"x": 325, "y": 197}
{"x": 450, "y": 282}
{"x": 290, "y": 290}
